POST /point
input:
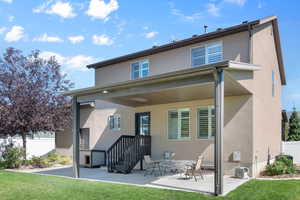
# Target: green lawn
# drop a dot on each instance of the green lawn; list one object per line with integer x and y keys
{"x": 19, "y": 186}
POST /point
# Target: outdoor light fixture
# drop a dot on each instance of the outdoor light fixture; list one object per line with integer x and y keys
{"x": 104, "y": 91}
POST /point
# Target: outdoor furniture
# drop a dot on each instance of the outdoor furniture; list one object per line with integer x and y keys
{"x": 195, "y": 169}
{"x": 168, "y": 164}
{"x": 152, "y": 165}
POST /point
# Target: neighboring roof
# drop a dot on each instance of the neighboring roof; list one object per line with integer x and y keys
{"x": 205, "y": 69}
{"x": 201, "y": 38}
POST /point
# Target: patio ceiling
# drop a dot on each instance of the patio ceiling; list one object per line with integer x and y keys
{"x": 183, "y": 85}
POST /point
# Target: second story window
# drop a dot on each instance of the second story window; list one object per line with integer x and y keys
{"x": 206, "y": 54}
{"x": 139, "y": 69}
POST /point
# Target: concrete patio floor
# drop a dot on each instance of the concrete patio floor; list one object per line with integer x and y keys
{"x": 175, "y": 182}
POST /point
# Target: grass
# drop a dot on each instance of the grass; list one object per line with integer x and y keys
{"x": 33, "y": 187}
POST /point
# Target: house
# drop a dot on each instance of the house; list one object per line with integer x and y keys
{"x": 217, "y": 94}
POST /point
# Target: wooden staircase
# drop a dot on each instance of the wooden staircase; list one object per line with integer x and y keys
{"x": 126, "y": 152}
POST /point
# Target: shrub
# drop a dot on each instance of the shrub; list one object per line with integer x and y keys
{"x": 13, "y": 157}
{"x": 49, "y": 160}
{"x": 2, "y": 164}
{"x": 53, "y": 158}
{"x": 40, "y": 162}
{"x": 64, "y": 160}
{"x": 282, "y": 165}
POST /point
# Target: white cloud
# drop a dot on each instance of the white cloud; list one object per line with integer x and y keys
{"x": 151, "y": 34}
{"x": 238, "y": 2}
{"x": 11, "y": 18}
{"x": 15, "y": 34}
{"x": 102, "y": 40}
{"x": 181, "y": 15}
{"x": 7, "y": 1}
{"x": 2, "y": 30}
{"x": 76, "y": 39}
{"x": 46, "y": 38}
{"x": 62, "y": 9}
{"x": 213, "y": 9}
{"x": 78, "y": 62}
{"x": 47, "y": 55}
{"x": 101, "y": 10}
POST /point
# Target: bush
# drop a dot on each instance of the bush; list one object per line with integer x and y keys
{"x": 13, "y": 157}
{"x": 64, "y": 160}
{"x": 2, "y": 164}
{"x": 282, "y": 165}
{"x": 49, "y": 160}
{"x": 40, "y": 162}
{"x": 53, "y": 158}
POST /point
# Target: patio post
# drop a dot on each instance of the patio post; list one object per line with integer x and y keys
{"x": 219, "y": 115}
{"x": 76, "y": 129}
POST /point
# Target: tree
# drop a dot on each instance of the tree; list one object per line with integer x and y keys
{"x": 30, "y": 95}
{"x": 294, "y": 126}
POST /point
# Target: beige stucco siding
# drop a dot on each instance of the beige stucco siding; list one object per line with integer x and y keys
{"x": 267, "y": 109}
{"x": 238, "y": 129}
{"x": 235, "y": 47}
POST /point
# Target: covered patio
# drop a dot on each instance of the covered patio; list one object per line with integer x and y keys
{"x": 137, "y": 178}
{"x": 213, "y": 81}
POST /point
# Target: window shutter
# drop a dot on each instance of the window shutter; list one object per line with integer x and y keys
{"x": 198, "y": 56}
{"x": 118, "y": 122}
{"x": 173, "y": 125}
{"x": 203, "y": 129}
{"x": 135, "y": 71}
{"x": 111, "y": 122}
{"x": 185, "y": 124}
{"x": 145, "y": 69}
{"x": 214, "y": 52}
{"x": 213, "y": 122}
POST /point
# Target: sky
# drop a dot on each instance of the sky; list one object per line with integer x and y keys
{"x": 81, "y": 32}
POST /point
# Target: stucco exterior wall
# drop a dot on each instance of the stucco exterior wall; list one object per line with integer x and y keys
{"x": 267, "y": 109}
{"x": 235, "y": 47}
{"x": 238, "y": 129}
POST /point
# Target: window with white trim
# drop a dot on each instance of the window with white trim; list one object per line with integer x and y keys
{"x": 139, "y": 69}
{"x": 114, "y": 122}
{"x": 206, "y": 54}
{"x": 179, "y": 124}
{"x": 206, "y": 122}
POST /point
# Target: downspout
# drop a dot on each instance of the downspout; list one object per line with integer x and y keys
{"x": 254, "y": 156}
{"x": 250, "y": 45}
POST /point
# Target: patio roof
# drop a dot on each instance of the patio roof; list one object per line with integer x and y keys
{"x": 198, "y": 83}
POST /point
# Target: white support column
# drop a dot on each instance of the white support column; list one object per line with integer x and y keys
{"x": 76, "y": 129}
{"x": 219, "y": 114}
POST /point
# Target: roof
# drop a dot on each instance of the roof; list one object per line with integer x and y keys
{"x": 209, "y": 68}
{"x": 245, "y": 26}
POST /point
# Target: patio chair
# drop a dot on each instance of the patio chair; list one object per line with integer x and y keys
{"x": 195, "y": 169}
{"x": 151, "y": 165}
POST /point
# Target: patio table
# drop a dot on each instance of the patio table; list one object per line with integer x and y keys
{"x": 175, "y": 166}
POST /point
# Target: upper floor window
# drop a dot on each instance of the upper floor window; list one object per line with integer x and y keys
{"x": 206, "y": 54}
{"x": 139, "y": 69}
{"x": 114, "y": 122}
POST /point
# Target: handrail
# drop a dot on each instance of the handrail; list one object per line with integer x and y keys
{"x": 127, "y": 151}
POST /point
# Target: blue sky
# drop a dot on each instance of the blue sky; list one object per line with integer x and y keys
{"x": 80, "y": 32}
